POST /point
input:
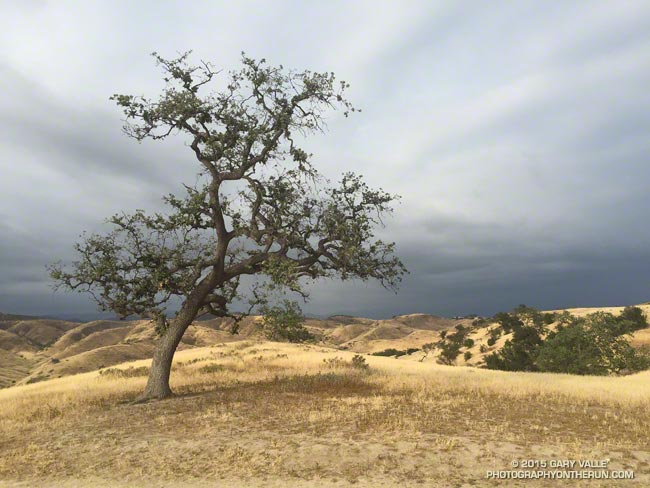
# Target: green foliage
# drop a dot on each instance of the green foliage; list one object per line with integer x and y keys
{"x": 634, "y": 319}
{"x": 495, "y": 333}
{"x": 507, "y": 321}
{"x": 395, "y": 352}
{"x": 480, "y": 322}
{"x": 451, "y": 343}
{"x": 517, "y": 354}
{"x": 285, "y": 323}
{"x": 389, "y": 352}
{"x": 467, "y": 355}
{"x": 468, "y": 342}
{"x": 449, "y": 351}
{"x": 591, "y": 345}
{"x": 259, "y": 207}
{"x": 594, "y": 344}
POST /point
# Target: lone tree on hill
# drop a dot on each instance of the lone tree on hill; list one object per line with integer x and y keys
{"x": 260, "y": 207}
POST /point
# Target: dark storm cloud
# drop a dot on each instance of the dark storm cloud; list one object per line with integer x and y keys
{"x": 80, "y": 141}
{"x": 63, "y": 165}
{"x": 516, "y": 134}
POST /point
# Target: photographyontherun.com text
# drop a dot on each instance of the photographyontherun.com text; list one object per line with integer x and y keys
{"x": 560, "y": 469}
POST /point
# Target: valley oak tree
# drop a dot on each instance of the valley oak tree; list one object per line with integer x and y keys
{"x": 259, "y": 208}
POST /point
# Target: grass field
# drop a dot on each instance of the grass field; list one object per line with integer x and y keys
{"x": 269, "y": 414}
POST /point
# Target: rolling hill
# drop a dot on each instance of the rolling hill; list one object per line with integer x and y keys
{"x": 33, "y": 349}
{"x": 38, "y": 349}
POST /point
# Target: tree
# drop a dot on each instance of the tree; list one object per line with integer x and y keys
{"x": 259, "y": 209}
{"x": 518, "y": 353}
{"x": 590, "y": 345}
{"x": 449, "y": 351}
{"x": 632, "y": 319}
{"x": 285, "y": 323}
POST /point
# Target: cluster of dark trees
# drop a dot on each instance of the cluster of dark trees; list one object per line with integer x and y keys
{"x": 597, "y": 344}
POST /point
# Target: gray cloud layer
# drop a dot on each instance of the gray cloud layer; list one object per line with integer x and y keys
{"x": 515, "y": 132}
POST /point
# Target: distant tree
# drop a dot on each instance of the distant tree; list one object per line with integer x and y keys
{"x": 427, "y": 348}
{"x": 633, "y": 319}
{"x": 449, "y": 351}
{"x": 260, "y": 208}
{"x": 507, "y": 321}
{"x": 285, "y": 323}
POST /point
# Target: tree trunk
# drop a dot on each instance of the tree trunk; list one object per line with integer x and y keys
{"x": 161, "y": 366}
{"x": 158, "y": 382}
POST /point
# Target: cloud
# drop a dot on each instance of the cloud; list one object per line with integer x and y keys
{"x": 516, "y": 134}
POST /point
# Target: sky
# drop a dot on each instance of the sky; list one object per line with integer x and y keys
{"x": 516, "y": 132}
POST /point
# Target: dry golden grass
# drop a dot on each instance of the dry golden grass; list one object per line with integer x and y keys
{"x": 13, "y": 367}
{"x": 269, "y": 414}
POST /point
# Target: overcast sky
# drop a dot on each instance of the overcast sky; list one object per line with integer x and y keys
{"x": 517, "y": 133}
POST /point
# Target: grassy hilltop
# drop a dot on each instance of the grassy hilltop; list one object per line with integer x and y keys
{"x": 254, "y": 413}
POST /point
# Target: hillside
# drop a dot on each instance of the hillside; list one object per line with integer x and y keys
{"x": 481, "y": 335}
{"x": 38, "y": 349}
{"x": 264, "y": 414}
{"x": 33, "y": 350}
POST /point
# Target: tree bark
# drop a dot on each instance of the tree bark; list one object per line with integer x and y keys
{"x": 161, "y": 365}
{"x": 158, "y": 383}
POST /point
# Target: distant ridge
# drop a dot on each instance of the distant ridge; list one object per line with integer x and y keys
{"x": 11, "y": 316}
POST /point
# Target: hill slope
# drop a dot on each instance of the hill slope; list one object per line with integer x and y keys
{"x": 278, "y": 415}
{"x": 37, "y": 349}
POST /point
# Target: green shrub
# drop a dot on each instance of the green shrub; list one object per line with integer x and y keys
{"x": 468, "y": 342}
{"x": 285, "y": 323}
{"x": 467, "y": 355}
{"x": 389, "y": 352}
{"x": 395, "y": 352}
